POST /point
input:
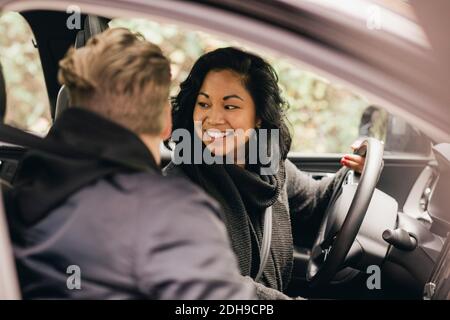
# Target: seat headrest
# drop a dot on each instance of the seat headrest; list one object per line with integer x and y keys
{"x": 79, "y": 40}
{"x": 93, "y": 25}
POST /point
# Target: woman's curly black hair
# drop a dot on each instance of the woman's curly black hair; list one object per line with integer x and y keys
{"x": 258, "y": 77}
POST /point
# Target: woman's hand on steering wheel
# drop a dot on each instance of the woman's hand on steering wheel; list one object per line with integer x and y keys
{"x": 353, "y": 161}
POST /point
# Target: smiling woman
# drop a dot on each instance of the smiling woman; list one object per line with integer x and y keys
{"x": 224, "y": 105}
{"x": 230, "y": 89}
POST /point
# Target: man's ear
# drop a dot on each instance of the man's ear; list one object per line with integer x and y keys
{"x": 167, "y": 123}
{"x": 258, "y": 123}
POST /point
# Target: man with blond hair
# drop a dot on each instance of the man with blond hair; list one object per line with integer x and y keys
{"x": 99, "y": 221}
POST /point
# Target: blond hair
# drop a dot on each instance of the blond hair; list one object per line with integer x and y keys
{"x": 120, "y": 76}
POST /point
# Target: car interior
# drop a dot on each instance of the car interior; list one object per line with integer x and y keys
{"x": 404, "y": 229}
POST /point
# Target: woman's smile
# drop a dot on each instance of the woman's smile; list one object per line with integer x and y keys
{"x": 215, "y": 134}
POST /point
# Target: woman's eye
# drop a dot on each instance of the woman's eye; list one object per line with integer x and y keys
{"x": 231, "y": 107}
{"x": 202, "y": 104}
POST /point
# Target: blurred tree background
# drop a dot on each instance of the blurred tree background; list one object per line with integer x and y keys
{"x": 28, "y": 106}
{"x": 324, "y": 117}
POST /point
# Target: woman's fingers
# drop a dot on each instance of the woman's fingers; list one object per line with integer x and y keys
{"x": 352, "y": 165}
{"x": 354, "y": 157}
{"x": 353, "y": 162}
{"x": 357, "y": 144}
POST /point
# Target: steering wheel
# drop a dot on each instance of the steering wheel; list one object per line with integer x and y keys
{"x": 330, "y": 249}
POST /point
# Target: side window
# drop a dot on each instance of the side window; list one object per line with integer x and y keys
{"x": 324, "y": 117}
{"x": 399, "y": 136}
{"x": 327, "y": 118}
{"x": 27, "y": 105}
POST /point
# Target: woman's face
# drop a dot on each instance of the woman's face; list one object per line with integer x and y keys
{"x": 223, "y": 107}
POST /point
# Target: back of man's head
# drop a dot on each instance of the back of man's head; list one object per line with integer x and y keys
{"x": 120, "y": 76}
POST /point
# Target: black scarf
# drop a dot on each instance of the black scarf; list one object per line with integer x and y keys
{"x": 94, "y": 147}
{"x": 244, "y": 195}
